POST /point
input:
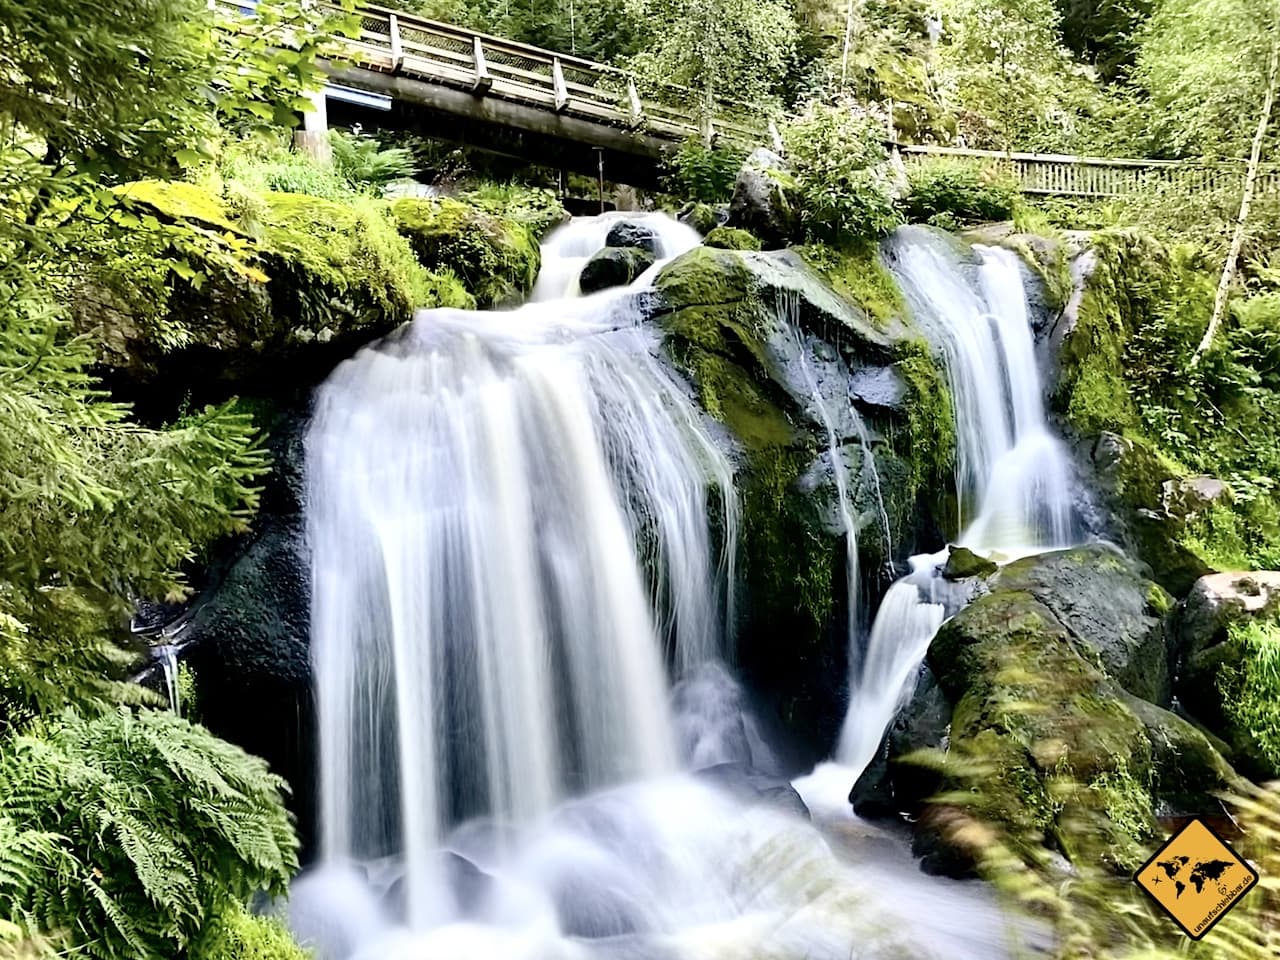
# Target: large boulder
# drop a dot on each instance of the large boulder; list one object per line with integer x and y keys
{"x": 1045, "y": 739}
{"x": 257, "y": 295}
{"x": 771, "y": 351}
{"x": 497, "y": 258}
{"x": 1230, "y": 647}
{"x": 764, "y": 200}
{"x": 614, "y": 267}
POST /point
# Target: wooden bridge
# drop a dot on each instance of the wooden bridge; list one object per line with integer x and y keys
{"x": 564, "y": 112}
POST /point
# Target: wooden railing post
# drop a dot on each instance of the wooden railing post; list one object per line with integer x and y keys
{"x": 775, "y": 138}
{"x": 557, "y": 82}
{"x": 397, "y": 48}
{"x": 482, "y": 81}
{"x": 633, "y": 100}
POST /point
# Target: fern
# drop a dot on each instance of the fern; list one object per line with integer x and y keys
{"x": 138, "y": 830}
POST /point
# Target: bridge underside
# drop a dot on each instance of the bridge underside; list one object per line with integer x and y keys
{"x": 495, "y": 125}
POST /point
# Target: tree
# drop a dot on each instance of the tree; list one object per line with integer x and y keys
{"x": 1004, "y": 61}
{"x": 1250, "y": 180}
{"x": 720, "y": 48}
{"x": 1203, "y": 64}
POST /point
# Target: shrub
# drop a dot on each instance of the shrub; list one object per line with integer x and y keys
{"x": 845, "y": 182}
{"x": 697, "y": 173}
{"x": 946, "y": 192}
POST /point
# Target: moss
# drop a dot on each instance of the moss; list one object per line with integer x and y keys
{"x": 857, "y": 274}
{"x": 307, "y": 270}
{"x": 732, "y": 238}
{"x": 1046, "y": 254}
{"x": 929, "y": 443}
{"x": 240, "y": 935}
{"x": 701, "y": 216}
{"x": 963, "y": 563}
{"x": 538, "y": 209}
{"x": 1248, "y": 682}
{"x": 496, "y": 258}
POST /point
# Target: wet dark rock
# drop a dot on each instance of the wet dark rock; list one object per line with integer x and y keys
{"x": 630, "y": 233}
{"x": 764, "y": 200}
{"x": 614, "y": 267}
{"x": 879, "y": 387}
{"x": 753, "y": 787}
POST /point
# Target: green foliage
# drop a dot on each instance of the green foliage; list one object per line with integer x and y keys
{"x": 76, "y": 540}
{"x": 845, "y": 183}
{"x": 1203, "y": 64}
{"x": 240, "y": 935}
{"x": 695, "y": 172}
{"x": 948, "y": 192}
{"x": 719, "y": 48}
{"x": 364, "y": 163}
{"x": 1003, "y": 64}
{"x": 535, "y": 207}
{"x": 131, "y": 832}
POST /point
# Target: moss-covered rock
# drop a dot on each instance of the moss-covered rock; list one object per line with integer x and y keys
{"x": 702, "y": 217}
{"x": 497, "y": 258}
{"x": 732, "y": 238}
{"x": 772, "y": 352}
{"x": 1046, "y": 743}
{"x": 962, "y": 563}
{"x": 614, "y": 267}
{"x": 765, "y": 200}
{"x": 208, "y": 291}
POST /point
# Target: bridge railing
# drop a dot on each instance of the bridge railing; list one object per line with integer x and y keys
{"x": 1102, "y": 177}
{"x": 442, "y": 53}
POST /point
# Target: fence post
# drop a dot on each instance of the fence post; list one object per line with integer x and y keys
{"x": 313, "y": 138}
{"x": 775, "y": 138}
{"x": 482, "y": 81}
{"x": 557, "y": 80}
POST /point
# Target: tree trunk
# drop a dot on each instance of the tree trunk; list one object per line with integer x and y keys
{"x": 1250, "y": 180}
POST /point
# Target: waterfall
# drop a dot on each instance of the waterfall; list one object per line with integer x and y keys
{"x": 487, "y": 496}
{"x": 568, "y": 248}
{"x": 167, "y": 654}
{"x": 1008, "y": 463}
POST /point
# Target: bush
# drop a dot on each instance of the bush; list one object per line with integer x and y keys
{"x": 240, "y": 935}
{"x": 946, "y": 192}
{"x": 129, "y": 834}
{"x": 695, "y": 173}
{"x": 845, "y": 182}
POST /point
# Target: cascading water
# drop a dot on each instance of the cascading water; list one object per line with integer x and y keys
{"x": 508, "y": 522}
{"x": 1007, "y": 461}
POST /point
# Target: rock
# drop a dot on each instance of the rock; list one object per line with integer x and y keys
{"x": 963, "y": 563}
{"x": 731, "y": 238}
{"x": 1109, "y": 607}
{"x": 752, "y": 787}
{"x": 1185, "y": 498}
{"x": 771, "y": 352}
{"x": 879, "y": 387}
{"x": 1052, "y": 749}
{"x": 764, "y": 200}
{"x": 614, "y": 267}
{"x": 248, "y": 635}
{"x": 1127, "y": 481}
{"x": 889, "y": 787}
{"x": 702, "y": 216}
{"x": 629, "y": 233}
{"x": 1220, "y": 599}
{"x": 1227, "y": 681}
